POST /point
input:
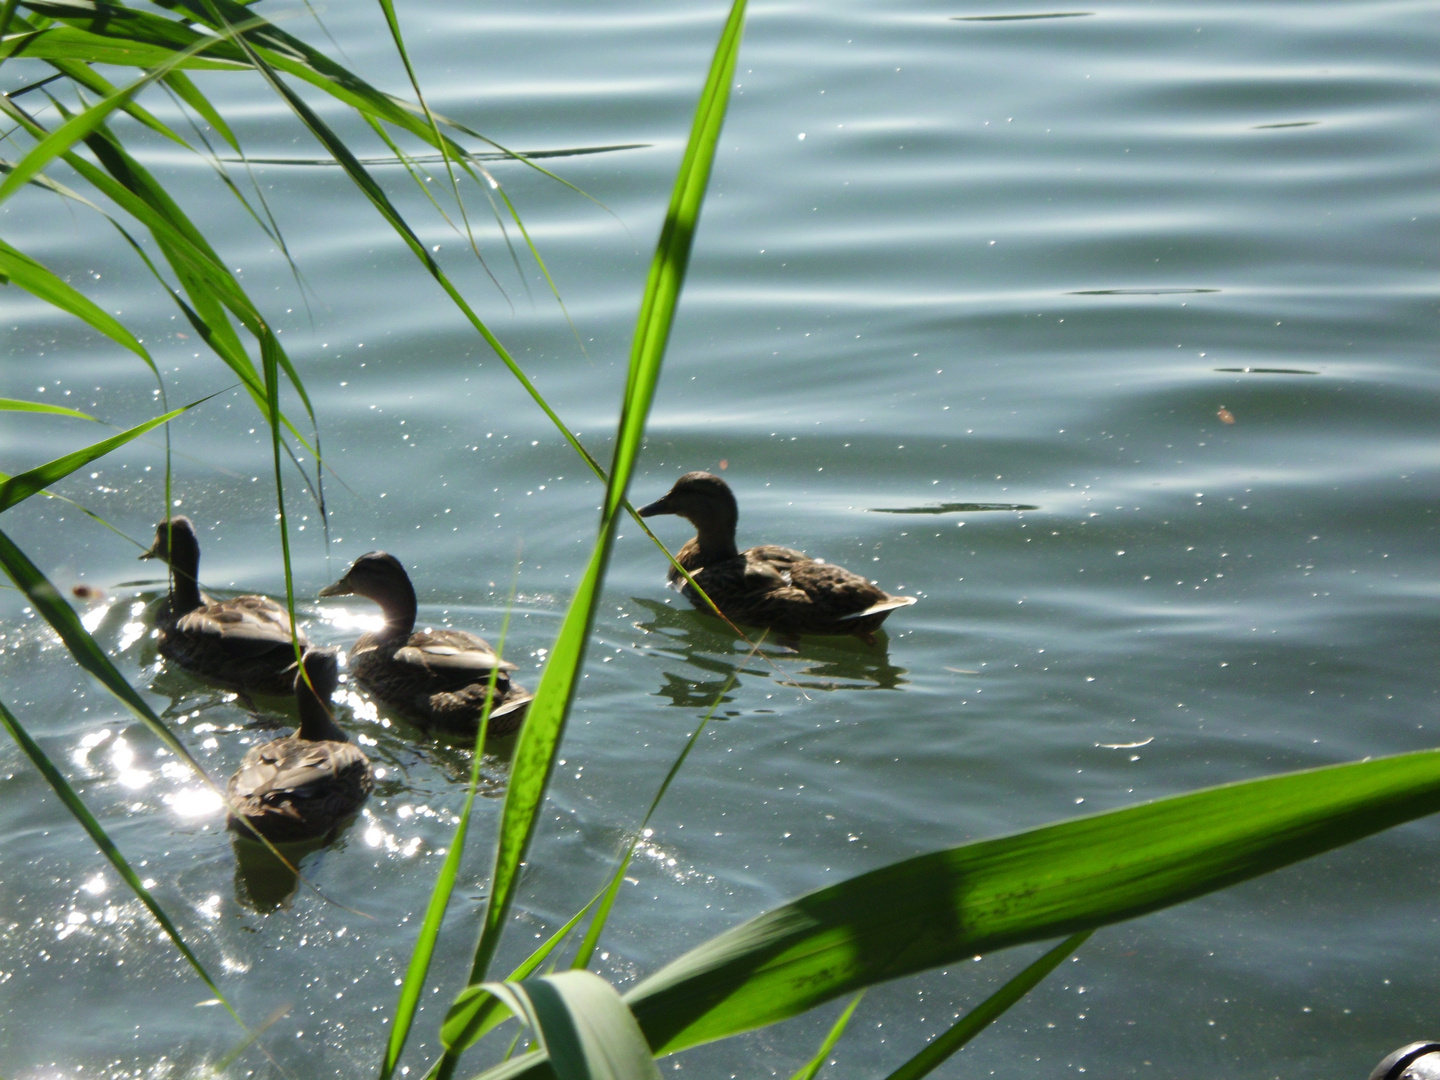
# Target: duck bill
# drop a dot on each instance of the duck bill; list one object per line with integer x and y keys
{"x": 659, "y": 506}
{"x": 339, "y": 588}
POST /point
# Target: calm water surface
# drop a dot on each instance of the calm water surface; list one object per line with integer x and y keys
{"x": 946, "y": 261}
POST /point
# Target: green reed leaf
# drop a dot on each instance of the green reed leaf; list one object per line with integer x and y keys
{"x": 1068, "y": 877}
{"x": 478, "y": 1011}
{"x": 602, "y": 914}
{"x": 1059, "y": 879}
{"x": 837, "y": 1029}
{"x": 21, "y": 486}
{"x": 424, "y": 950}
{"x": 585, "y": 1030}
{"x": 43, "y": 283}
{"x": 940, "y": 1049}
{"x": 77, "y": 127}
{"x": 82, "y": 814}
{"x": 16, "y": 405}
{"x": 545, "y": 724}
{"x": 87, "y": 652}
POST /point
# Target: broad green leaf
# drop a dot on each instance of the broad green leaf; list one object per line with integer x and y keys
{"x": 837, "y": 1029}
{"x": 34, "y": 278}
{"x": 22, "y": 486}
{"x": 107, "y": 847}
{"x": 16, "y": 405}
{"x": 987, "y": 1012}
{"x": 585, "y": 1030}
{"x": 1059, "y": 879}
{"x": 545, "y": 724}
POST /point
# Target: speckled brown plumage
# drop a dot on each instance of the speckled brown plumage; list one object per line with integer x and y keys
{"x": 777, "y": 587}
{"x": 306, "y": 785}
{"x": 438, "y": 678}
{"x": 242, "y": 642}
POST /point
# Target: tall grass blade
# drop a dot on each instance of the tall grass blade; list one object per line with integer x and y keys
{"x": 107, "y": 847}
{"x": 837, "y": 1029}
{"x": 424, "y": 950}
{"x": 545, "y": 724}
{"x": 16, "y": 405}
{"x": 939, "y": 1050}
{"x": 992, "y": 894}
{"x": 88, "y": 654}
{"x": 602, "y": 913}
{"x": 22, "y": 486}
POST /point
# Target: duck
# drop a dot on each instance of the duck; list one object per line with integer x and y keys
{"x": 768, "y": 586}
{"x": 308, "y": 784}
{"x": 244, "y": 642}
{"x": 439, "y": 678}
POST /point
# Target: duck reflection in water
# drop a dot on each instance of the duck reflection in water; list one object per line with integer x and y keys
{"x": 708, "y": 645}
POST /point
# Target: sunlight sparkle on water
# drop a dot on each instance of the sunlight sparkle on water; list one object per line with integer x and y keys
{"x": 122, "y": 756}
{"x": 194, "y": 802}
{"x": 345, "y": 619}
{"x": 94, "y": 617}
{"x": 132, "y": 630}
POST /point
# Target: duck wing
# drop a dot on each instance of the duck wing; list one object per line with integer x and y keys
{"x": 834, "y": 591}
{"x": 245, "y": 626}
{"x": 451, "y": 651}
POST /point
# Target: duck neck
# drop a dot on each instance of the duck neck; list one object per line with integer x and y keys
{"x": 398, "y": 606}
{"x": 316, "y": 723}
{"x": 184, "y": 586}
{"x": 716, "y": 539}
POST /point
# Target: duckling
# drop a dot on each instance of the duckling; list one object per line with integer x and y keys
{"x": 305, "y": 785}
{"x": 437, "y": 677}
{"x": 776, "y": 587}
{"x": 243, "y": 642}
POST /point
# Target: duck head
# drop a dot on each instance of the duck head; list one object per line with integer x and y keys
{"x": 378, "y": 576}
{"x": 706, "y": 502}
{"x": 175, "y": 543}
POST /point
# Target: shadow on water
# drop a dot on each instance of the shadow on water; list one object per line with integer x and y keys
{"x": 950, "y": 508}
{"x": 705, "y": 643}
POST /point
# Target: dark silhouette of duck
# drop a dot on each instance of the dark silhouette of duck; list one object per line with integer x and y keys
{"x": 770, "y": 586}
{"x": 242, "y": 642}
{"x": 437, "y": 677}
{"x": 309, "y": 784}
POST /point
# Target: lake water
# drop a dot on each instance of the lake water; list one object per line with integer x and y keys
{"x": 947, "y": 260}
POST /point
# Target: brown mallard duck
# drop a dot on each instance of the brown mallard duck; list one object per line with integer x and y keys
{"x": 243, "y": 642}
{"x": 777, "y": 587}
{"x": 437, "y": 677}
{"x": 306, "y": 785}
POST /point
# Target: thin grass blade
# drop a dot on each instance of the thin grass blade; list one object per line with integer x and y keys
{"x": 16, "y": 405}
{"x": 545, "y": 724}
{"x": 43, "y": 283}
{"x": 82, "y": 814}
{"x": 22, "y": 486}
{"x": 939, "y": 1050}
{"x": 813, "y": 1066}
{"x": 424, "y": 950}
{"x": 76, "y": 128}
{"x": 88, "y": 654}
